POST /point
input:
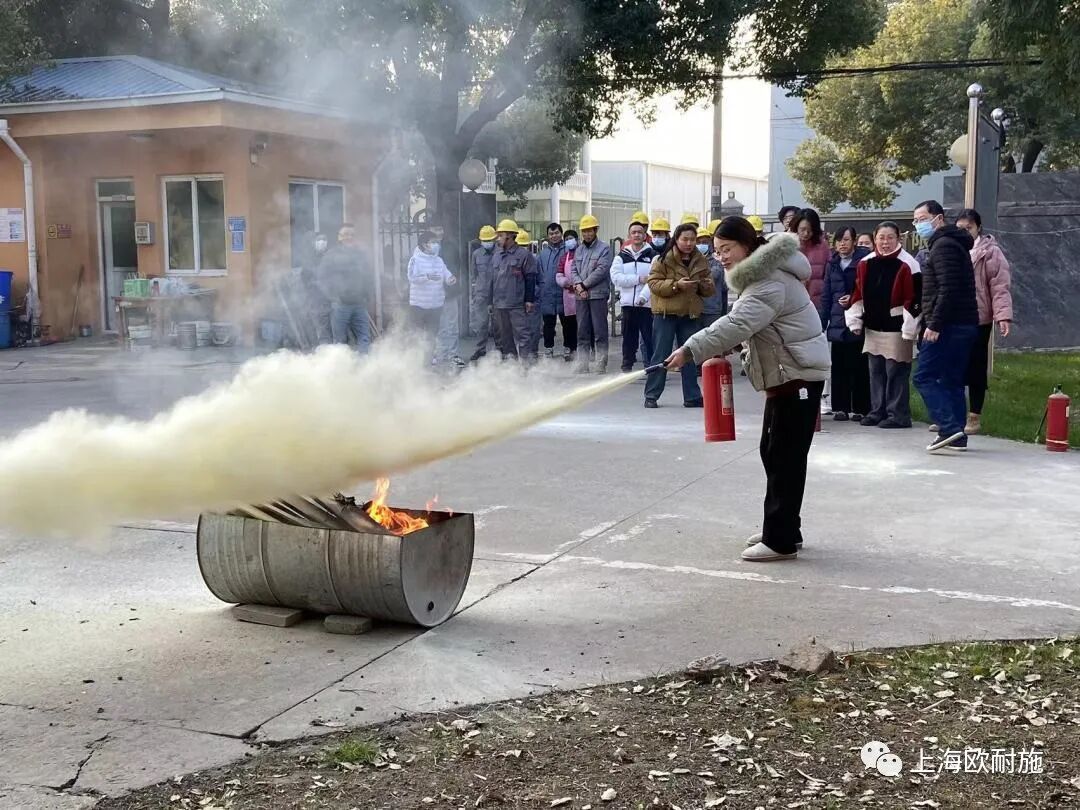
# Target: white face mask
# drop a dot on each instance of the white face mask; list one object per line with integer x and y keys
{"x": 487, "y": 245}
{"x": 659, "y": 241}
{"x": 571, "y": 243}
{"x": 320, "y": 245}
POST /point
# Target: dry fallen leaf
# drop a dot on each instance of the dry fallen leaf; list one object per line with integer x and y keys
{"x": 609, "y": 795}
{"x": 560, "y": 802}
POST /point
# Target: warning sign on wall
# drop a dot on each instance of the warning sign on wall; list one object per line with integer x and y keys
{"x": 12, "y": 225}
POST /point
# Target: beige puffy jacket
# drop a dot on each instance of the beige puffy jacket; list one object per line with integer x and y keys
{"x": 774, "y": 316}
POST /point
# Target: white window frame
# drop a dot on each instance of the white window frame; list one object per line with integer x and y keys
{"x": 305, "y": 181}
{"x": 196, "y": 236}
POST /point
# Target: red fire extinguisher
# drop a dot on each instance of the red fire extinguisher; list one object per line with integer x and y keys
{"x": 719, "y": 396}
{"x": 1057, "y": 421}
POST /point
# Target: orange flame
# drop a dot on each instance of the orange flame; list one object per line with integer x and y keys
{"x": 398, "y": 522}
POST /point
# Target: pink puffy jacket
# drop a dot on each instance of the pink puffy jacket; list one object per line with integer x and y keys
{"x": 992, "y": 281}
{"x": 819, "y": 256}
{"x": 562, "y": 278}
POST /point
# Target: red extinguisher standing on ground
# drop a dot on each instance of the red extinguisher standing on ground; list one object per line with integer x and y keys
{"x": 719, "y": 396}
{"x": 1057, "y": 421}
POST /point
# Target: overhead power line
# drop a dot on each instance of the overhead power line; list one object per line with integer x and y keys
{"x": 895, "y": 67}
{"x": 777, "y": 77}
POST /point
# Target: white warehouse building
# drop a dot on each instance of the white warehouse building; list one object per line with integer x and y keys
{"x": 619, "y": 188}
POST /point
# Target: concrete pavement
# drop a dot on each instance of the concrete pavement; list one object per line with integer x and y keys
{"x": 607, "y": 548}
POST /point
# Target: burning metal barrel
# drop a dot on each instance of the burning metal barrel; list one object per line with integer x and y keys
{"x": 332, "y": 557}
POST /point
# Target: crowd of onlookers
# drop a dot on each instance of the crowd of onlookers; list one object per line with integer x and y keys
{"x": 880, "y": 306}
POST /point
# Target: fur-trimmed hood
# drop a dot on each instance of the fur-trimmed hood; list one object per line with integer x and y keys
{"x": 781, "y": 252}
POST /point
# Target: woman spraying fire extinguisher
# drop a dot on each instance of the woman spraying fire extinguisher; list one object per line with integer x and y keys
{"x": 788, "y": 360}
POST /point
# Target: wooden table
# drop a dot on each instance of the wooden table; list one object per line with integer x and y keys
{"x": 161, "y": 310}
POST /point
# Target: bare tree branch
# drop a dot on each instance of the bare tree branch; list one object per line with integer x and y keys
{"x": 513, "y": 88}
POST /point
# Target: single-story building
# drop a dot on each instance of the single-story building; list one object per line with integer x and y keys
{"x": 139, "y": 167}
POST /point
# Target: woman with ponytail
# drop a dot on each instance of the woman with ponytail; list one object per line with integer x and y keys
{"x": 788, "y": 359}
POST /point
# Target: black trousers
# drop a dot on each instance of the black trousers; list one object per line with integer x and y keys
{"x": 786, "y": 436}
{"x": 636, "y": 328}
{"x": 569, "y": 331}
{"x": 978, "y": 367}
{"x": 850, "y": 378}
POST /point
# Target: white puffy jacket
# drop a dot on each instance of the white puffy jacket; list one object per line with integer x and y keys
{"x": 428, "y": 277}
{"x": 630, "y": 274}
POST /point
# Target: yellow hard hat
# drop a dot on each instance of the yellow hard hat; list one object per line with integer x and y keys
{"x": 487, "y": 233}
{"x": 706, "y": 230}
{"x": 640, "y": 218}
{"x": 507, "y": 226}
{"x": 523, "y": 238}
{"x": 690, "y": 219}
{"x": 588, "y": 221}
{"x": 661, "y": 224}
{"x": 757, "y": 222}
{"x": 712, "y": 226}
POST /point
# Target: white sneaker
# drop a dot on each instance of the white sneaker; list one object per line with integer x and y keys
{"x": 935, "y": 428}
{"x": 754, "y": 539}
{"x": 762, "y": 553}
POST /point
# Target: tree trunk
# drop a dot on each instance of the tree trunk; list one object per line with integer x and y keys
{"x": 1032, "y": 150}
{"x": 447, "y": 199}
{"x": 1010, "y": 165}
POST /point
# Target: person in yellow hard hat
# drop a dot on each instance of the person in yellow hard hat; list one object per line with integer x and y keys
{"x": 482, "y": 275}
{"x": 661, "y": 232}
{"x": 513, "y": 292}
{"x": 757, "y": 222}
{"x": 715, "y": 305}
{"x": 691, "y": 219}
{"x": 640, "y": 218}
{"x": 536, "y": 321}
{"x": 591, "y": 277}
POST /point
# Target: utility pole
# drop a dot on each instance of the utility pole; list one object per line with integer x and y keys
{"x": 717, "y": 158}
{"x": 974, "y": 93}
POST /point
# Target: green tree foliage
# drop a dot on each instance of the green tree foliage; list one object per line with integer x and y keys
{"x": 69, "y": 28}
{"x": 455, "y": 70}
{"x": 1047, "y": 29}
{"x": 451, "y": 69}
{"x": 20, "y": 49}
{"x": 877, "y": 131}
{"x": 531, "y": 152}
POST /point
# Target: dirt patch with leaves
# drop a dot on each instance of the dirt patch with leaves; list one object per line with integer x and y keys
{"x": 981, "y": 725}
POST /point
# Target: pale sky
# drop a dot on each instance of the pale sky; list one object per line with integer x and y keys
{"x": 685, "y": 138}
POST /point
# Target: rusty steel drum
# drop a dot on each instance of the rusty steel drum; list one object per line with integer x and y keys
{"x": 416, "y": 579}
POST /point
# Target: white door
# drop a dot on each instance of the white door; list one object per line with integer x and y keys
{"x": 121, "y": 255}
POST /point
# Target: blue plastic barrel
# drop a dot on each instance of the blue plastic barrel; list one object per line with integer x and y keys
{"x": 5, "y": 308}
